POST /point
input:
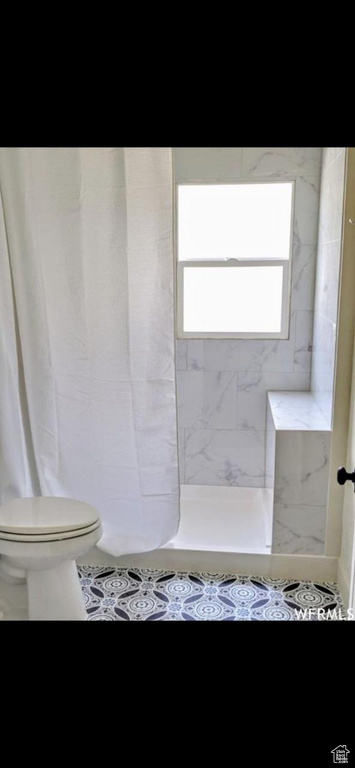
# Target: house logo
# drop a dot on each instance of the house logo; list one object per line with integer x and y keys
{"x": 340, "y": 754}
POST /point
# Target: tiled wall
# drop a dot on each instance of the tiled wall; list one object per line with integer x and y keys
{"x": 297, "y": 469}
{"x": 222, "y": 384}
{"x": 328, "y": 277}
{"x": 300, "y": 505}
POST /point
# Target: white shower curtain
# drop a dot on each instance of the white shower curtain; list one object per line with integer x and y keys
{"x": 87, "y": 376}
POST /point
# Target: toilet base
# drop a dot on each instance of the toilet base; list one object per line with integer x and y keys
{"x": 54, "y": 594}
{"x": 10, "y": 574}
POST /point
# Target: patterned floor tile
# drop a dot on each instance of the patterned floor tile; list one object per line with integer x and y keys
{"x": 142, "y": 594}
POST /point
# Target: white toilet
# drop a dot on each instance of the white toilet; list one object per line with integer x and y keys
{"x": 43, "y": 536}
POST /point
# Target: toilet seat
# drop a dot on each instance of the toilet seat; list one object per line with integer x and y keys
{"x": 41, "y": 537}
{"x": 46, "y": 518}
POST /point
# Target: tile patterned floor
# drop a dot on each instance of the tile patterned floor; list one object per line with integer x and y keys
{"x": 140, "y": 594}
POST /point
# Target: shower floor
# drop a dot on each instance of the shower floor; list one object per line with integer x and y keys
{"x": 221, "y": 519}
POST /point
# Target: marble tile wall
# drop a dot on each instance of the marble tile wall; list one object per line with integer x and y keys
{"x": 270, "y": 449}
{"x": 328, "y": 277}
{"x": 299, "y": 529}
{"x": 300, "y": 495}
{"x": 297, "y": 466}
{"x": 222, "y": 383}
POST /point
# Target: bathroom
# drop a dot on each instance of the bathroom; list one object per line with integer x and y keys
{"x": 142, "y": 378}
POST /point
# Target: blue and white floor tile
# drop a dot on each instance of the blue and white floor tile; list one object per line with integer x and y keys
{"x": 140, "y": 594}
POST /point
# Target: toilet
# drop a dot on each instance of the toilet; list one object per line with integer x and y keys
{"x": 43, "y": 537}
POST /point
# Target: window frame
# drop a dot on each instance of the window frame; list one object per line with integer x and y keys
{"x": 286, "y": 264}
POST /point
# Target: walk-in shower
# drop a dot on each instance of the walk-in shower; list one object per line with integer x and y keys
{"x": 241, "y": 490}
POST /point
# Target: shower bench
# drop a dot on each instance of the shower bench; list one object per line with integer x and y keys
{"x": 297, "y": 470}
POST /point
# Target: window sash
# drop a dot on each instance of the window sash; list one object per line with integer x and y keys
{"x": 234, "y": 264}
{"x": 241, "y": 182}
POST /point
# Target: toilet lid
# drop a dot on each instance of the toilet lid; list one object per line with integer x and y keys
{"x": 46, "y": 515}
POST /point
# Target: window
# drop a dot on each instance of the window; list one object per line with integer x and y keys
{"x": 233, "y": 259}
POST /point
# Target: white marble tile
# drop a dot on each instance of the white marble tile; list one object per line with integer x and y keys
{"x": 302, "y": 468}
{"x": 296, "y": 411}
{"x": 270, "y": 425}
{"x": 323, "y": 362}
{"x": 252, "y": 394}
{"x": 298, "y": 381}
{"x": 181, "y": 446}
{"x": 241, "y": 354}
{"x": 299, "y": 530}
{"x": 303, "y": 276}
{"x": 207, "y": 163}
{"x": 181, "y": 354}
{"x": 270, "y": 451}
{"x": 330, "y": 154}
{"x": 207, "y": 400}
{"x": 324, "y": 338}
{"x": 281, "y": 161}
{"x": 199, "y": 353}
{"x": 224, "y": 457}
{"x": 251, "y": 412}
{"x": 303, "y": 340}
{"x": 324, "y": 401}
{"x": 332, "y": 199}
{"x": 305, "y": 229}
{"x": 328, "y": 279}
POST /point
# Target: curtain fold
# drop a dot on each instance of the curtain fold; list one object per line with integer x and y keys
{"x": 87, "y": 374}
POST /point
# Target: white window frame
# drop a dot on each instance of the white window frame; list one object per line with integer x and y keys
{"x": 286, "y": 265}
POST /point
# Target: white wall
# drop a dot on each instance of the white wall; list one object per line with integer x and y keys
{"x": 222, "y": 384}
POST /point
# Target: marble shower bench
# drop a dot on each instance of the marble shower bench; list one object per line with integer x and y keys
{"x": 297, "y": 469}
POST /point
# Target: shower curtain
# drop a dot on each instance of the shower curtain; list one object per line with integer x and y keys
{"x": 87, "y": 375}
